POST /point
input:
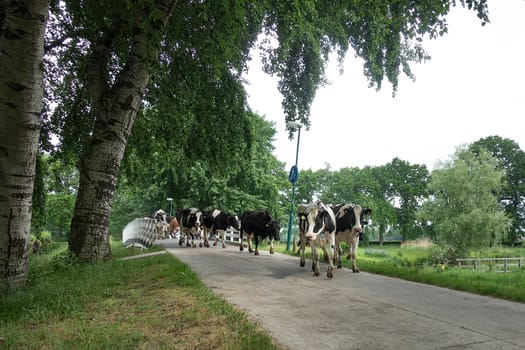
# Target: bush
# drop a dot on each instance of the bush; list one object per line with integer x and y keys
{"x": 40, "y": 243}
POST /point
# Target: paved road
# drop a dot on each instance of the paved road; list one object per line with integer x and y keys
{"x": 352, "y": 311}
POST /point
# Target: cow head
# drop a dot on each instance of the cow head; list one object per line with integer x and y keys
{"x": 233, "y": 221}
{"x": 193, "y": 218}
{"x": 316, "y": 219}
{"x": 273, "y": 230}
{"x": 355, "y": 215}
{"x": 160, "y": 215}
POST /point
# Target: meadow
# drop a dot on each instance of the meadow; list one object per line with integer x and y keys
{"x": 421, "y": 262}
{"x": 149, "y": 303}
{"x": 157, "y": 302}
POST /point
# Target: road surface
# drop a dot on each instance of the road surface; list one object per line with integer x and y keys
{"x": 352, "y": 310}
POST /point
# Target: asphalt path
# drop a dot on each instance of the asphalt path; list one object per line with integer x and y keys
{"x": 352, "y": 310}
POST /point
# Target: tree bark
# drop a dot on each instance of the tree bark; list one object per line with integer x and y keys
{"x": 115, "y": 111}
{"x": 22, "y": 29}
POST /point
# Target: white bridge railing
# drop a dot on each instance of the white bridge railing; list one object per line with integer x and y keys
{"x": 231, "y": 236}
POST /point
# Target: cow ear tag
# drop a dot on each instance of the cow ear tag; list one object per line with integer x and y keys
{"x": 302, "y": 217}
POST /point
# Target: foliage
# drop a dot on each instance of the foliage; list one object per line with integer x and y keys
{"x": 253, "y": 181}
{"x": 464, "y": 209}
{"x": 183, "y": 62}
{"x": 40, "y": 243}
{"x": 511, "y": 159}
{"x": 407, "y": 187}
{"x": 60, "y": 183}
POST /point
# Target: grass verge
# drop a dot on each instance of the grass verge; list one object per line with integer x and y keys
{"x": 149, "y": 303}
{"x": 418, "y": 264}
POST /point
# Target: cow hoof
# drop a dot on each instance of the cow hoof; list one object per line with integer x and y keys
{"x": 271, "y": 250}
{"x": 339, "y": 265}
{"x": 215, "y": 244}
{"x": 224, "y": 246}
{"x": 355, "y": 270}
{"x": 316, "y": 273}
{"x": 330, "y": 273}
{"x": 251, "y": 250}
{"x": 302, "y": 263}
{"x": 256, "y": 252}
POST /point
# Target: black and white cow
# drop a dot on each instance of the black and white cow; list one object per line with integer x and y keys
{"x": 317, "y": 227}
{"x": 216, "y": 222}
{"x": 350, "y": 221}
{"x": 161, "y": 224}
{"x": 190, "y": 226}
{"x": 258, "y": 224}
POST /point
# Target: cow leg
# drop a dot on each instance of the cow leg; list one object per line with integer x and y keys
{"x": 217, "y": 237}
{"x": 249, "y": 239}
{"x": 338, "y": 253}
{"x": 315, "y": 259}
{"x": 271, "y": 246}
{"x": 188, "y": 239}
{"x": 241, "y": 245}
{"x": 223, "y": 238}
{"x": 206, "y": 233}
{"x": 353, "y": 250}
{"x": 302, "y": 247}
{"x": 256, "y": 245}
{"x": 330, "y": 241}
{"x": 323, "y": 247}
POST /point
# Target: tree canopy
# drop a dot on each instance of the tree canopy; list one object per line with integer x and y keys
{"x": 105, "y": 61}
{"x": 464, "y": 209}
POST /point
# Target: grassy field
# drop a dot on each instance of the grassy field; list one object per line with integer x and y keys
{"x": 148, "y": 303}
{"x": 421, "y": 264}
{"x": 158, "y": 303}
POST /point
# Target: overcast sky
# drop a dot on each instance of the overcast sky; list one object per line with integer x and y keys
{"x": 471, "y": 88}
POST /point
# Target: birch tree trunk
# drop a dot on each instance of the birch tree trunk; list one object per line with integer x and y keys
{"x": 22, "y": 28}
{"x": 115, "y": 110}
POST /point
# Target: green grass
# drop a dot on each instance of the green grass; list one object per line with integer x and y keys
{"x": 421, "y": 265}
{"x": 149, "y": 303}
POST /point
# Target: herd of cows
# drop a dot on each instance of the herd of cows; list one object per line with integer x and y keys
{"x": 320, "y": 225}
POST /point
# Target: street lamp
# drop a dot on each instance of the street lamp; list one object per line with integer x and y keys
{"x": 169, "y": 199}
{"x": 293, "y": 177}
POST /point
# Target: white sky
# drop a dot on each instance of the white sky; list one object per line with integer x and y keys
{"x": 471, "y": 88}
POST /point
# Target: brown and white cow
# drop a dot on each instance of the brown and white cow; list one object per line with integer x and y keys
{"x": 317, "y": 227}
{"x": 174, "y": 227}
{"x": 349, "y": 227}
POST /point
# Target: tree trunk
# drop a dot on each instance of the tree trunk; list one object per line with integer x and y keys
{"x": 115, "y": 110}
{"x": 22, "y": 28}
{"x": 381, "y": 234}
